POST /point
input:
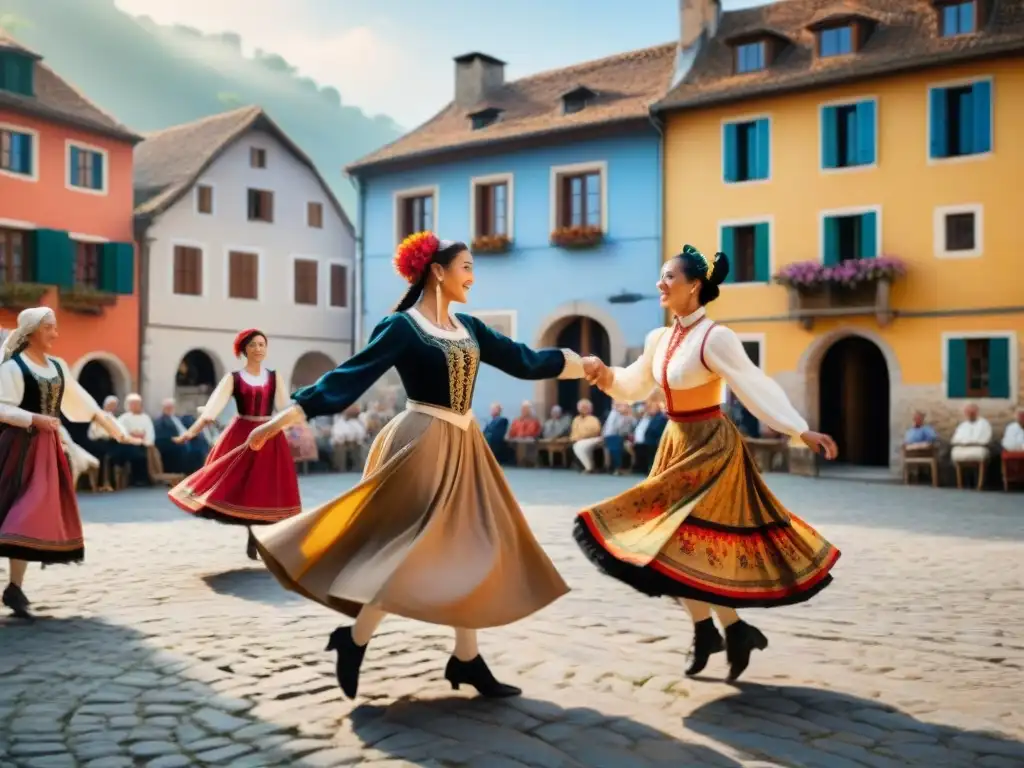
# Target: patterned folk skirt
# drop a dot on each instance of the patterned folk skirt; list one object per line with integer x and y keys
{"x": 432, "y": 532}
{"x": 704, "y": 525}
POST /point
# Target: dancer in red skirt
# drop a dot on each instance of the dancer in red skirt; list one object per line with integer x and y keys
{"x": 39, "y": 519}
{"x": 237, "y": 486}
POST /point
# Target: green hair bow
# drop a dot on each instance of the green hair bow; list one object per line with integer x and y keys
{"x": 709, "y": 266}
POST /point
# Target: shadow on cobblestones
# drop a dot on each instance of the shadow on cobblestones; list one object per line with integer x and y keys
{"x": 255, "y": 584}
{"x": 818, "y": 727}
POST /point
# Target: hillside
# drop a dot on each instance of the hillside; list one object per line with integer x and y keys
{"x": 151, "y": 76}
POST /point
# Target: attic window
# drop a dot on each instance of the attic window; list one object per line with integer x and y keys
{"x": 17, "y": 73}
{"x": 835, "y": 41}
{"x": 577, "y": 100}
{"x": 958, "y": 18}
{"x": 750, "y": 57}
{"x": 484, "y": 118}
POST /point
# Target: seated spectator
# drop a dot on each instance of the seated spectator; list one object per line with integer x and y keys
{"x": 618, "y": 427}
{"x": 647, "y": 435}
{"x": 744, "y": 420}
{"x": 100, "y": 444}
{"x": 527, "y": 426}
{"x": 495, "y": 432}
{"x": 557, "y": 424}
{"x": 1013, "y": 437}
{"x": 302, "y": 443}
{"x": 585, "y": 435}
{"x": 208, "y": 436}
{"x": 348, "y": 441}
{"x": 972, "y": 437}
{"x": 177, "y": 456}
{"x": 322, "y": 427}
{"x": 378, "y": 412}
{"x": 920, "y": 436}
{"x": 139, "y": 425}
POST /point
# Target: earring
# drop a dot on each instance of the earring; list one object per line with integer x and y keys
{"x": 437, "y": 305}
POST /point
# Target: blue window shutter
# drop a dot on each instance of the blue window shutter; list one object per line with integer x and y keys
{"x": 998, "y": 367}
{"x": 982, "y": 116}
{"x": 761, "y": 253}
{"x": 866, "y": 126}
{"x": 28, "y": 153}
{"x": 939, "y": 132}
{"x": 728, "y": 247}
{"x": 75, "y": 181}
{"x": 831, "y": 255}
{"x": 730, "y": 154}
{"x": 956, "y": 368}
{"x": 53, "y": 258}
{"x": 97, "y": 170}
{"x": 966, "y": 128}
{"x": 763, "y": 144}
{"x": 868, "y": 235}
{"x": 829, "y": 137}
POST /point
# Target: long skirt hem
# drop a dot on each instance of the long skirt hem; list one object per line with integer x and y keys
{"x": 45, "y": 556}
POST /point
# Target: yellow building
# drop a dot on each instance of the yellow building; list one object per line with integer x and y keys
{"x": 816, "y": 131}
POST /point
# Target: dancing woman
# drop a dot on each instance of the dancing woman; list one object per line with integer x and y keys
{"x": 703, "y": 527}
{"x": 237, "y": 486}
{"x": 432, "y": 532}
{"x": 39, "y": 520}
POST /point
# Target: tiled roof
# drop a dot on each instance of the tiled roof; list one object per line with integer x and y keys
{"x": 905, "y": 36}
{"x": 57, "y": 100}
{"x": 626, "y": 85}
{"x": 170, "y": 161}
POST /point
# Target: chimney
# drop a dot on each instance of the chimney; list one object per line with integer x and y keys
{"x": 697, "y": 17}
{"x": 477, "y": 75}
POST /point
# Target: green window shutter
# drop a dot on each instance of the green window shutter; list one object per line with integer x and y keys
{"x": 763, "y": 142}
{"x": 939, "y": 119}
{"x": 956, "y": 368}
{"x": 53, "y": 256}
{"x": 981, "y": 119}
{"x": 761, "y": 253}
{"x": 829, "y": 137}
{"x": 73, "y": 171}
{"x": 999, "y": 368}
{"x": 866, "y": 140}
{"x": 728, "y": 247}
{"x": 117, "y": 268}
{"x": 97, "y": 170}
{"x": 868, "y": 235}
{"x": 26, "y": 80}
{"x": 831, "y": 255}
{"x": 730, "y": 153}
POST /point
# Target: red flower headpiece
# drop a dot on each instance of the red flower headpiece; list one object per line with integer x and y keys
{"x": 244, "y": 337}
{"x": 414, "y": 254}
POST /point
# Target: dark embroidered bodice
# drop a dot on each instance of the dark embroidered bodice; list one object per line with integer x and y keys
{"x": 43, "y": 395}
{"x": 254, "y": 400}
{"x": 435, "y": 369}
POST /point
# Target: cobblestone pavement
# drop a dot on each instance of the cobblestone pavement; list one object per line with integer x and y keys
{"x": 168, "y": 648}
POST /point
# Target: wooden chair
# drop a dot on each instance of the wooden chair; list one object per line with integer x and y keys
{"x": 561, "y": 446}
{"x": 973, "y": 465}
{"x": 1013, "y": 468}
{"x": 525, "y": 450}
{"x": 917, "y": 458}
{"x": 156, "y": 469}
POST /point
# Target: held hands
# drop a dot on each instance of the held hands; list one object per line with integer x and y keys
{"x": 183, "y": 438}
{"x": 596, "y": 372}
{"x": 820, "y": 443}
{"x": 45, "y": 423}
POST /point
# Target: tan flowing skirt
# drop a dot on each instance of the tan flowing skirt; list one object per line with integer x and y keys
{"x": 432, "y": 532}
{"x": 704, "y": 525}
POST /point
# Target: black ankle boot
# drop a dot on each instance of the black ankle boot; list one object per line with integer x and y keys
{"x": 350, "y": 659}
{"x": 477, "y": 674}
{"x": 741, "y": 639}
{"x": 250, "y": 548}
{"x": 707, "y": 640}
{"x": 15, "y": 599}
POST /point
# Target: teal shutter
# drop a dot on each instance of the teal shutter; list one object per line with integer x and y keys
{"x": 998, "y": 367}
{"x": 97, "y": 170}
{"x": 730, "y": 153}
{"x": 75, "y": 181}
{"x": 981, "y": 129}
{"x": 728, "y": 247}
{"x": 762, "y": 131}
{"x": 830, "y": 137}
{"x": 866, "y": 126}
{"x": 28, "y": 153}
{"x": 868, "y": 235}
{"x": 965, "y": 132}
{"x": 956, "y": 368}
{"x": 124, "y": 257}
{"x": 53, "y": 258}
{"x": 831, "y": 255}
{"x": 26, "y": 79}
{"x": 761, "y": 253}
{"x": 938, "y": 128}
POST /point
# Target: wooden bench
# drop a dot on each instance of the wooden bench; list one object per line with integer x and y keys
{"x": 561, "y": 446}
{"x": 918, "y": 457}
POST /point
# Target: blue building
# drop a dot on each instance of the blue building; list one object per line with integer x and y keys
{"x": 555, "y": 181}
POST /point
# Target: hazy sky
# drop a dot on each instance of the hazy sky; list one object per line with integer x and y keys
{"x": 394, "y": 56}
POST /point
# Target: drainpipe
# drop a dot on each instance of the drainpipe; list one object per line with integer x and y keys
{"x": 142, "y": 256}
{"x": 360, "y": 318}
{"x": 659, "y": 127}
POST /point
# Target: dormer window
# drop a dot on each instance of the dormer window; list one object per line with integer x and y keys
{"x": 17, "y": 73}
{"x": 835, "y": 41}
{"x": 577, "y": 99}
{"x": 484, "y": 118}
{"x": 958, "y": 18}
{"x": 750, "y": 57}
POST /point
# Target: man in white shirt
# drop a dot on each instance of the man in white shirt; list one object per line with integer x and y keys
{"x": 140, "y": 426}
{"x": 972, "y": 437}
{"x": 1013, "y": 437}
{"x": 348, "y": 438}
{"x": 96, "y": 433}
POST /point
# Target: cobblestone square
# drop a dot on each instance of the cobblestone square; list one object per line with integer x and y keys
{"x": 169, "y": 649}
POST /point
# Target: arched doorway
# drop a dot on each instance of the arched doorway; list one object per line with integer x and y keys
{"x": 194, "y": 380}
{"x": 97, "y": 379}
{"x": 854, "y": 401}
{"x": 310, "y": 367}
{"x": 587, "y": 337}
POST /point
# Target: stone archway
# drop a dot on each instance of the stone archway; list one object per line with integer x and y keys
{"x": 310, "y": 367}
{"x": 102, "y": 374}
{"x": 195, "y": 378}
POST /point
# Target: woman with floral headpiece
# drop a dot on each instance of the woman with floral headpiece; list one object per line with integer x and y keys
{"x": 703, "y": 527}
{"x": 39, "y": 519}
{"x": 237, "y": 486}
{"x": 432, "y": 532}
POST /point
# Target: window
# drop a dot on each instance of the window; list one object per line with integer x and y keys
{"x": 746, "y": 151}
{"x": 484, "y": 118}
{"x": 753, "y": 350}
{"x": 416, "y": 214}
{"x": 17, "y": 73}
{"x": 960, "y": 232}
{"x": 188, "y": 270}
{"x": 836, "y": 41}
{"x": 257, "y": 157}
{"x": 87, "y": 265}
{"x": 86, "y": 169}
{"x": 750, "y": 57}
{"x": 16, "y": 152}
{"x": 958, "y": 19}
{"x": 315, "y": 215}
{"x": 579, "y": 199}
{"x": 978, "y": 367}
{"x": 573, "y": 104}
{"x": 14, "y": 256}
{"x": 850, "y": 236}
{"x": 204, "y": 199}
{"x": 747, "y": 247}
{"x": 261, "y": 205}
{"x": 492, "y": 208}
{"x": 339, "y": 285}
{"x": 306, "y": 282}
{"x": 243, "y": 275}
{"x": 960, "y": 120}
{"x": 848, "y": 135}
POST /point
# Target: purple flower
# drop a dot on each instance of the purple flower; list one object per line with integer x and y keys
{"x": 846, "y": 274}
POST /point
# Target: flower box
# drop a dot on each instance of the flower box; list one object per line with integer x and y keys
{"x": 855, "y": 287}
{"x": 577, "y": 237}
{"x": 491, "y": 244}
{"x": 19, "y": 296}
{"x": 86, "y": 301}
